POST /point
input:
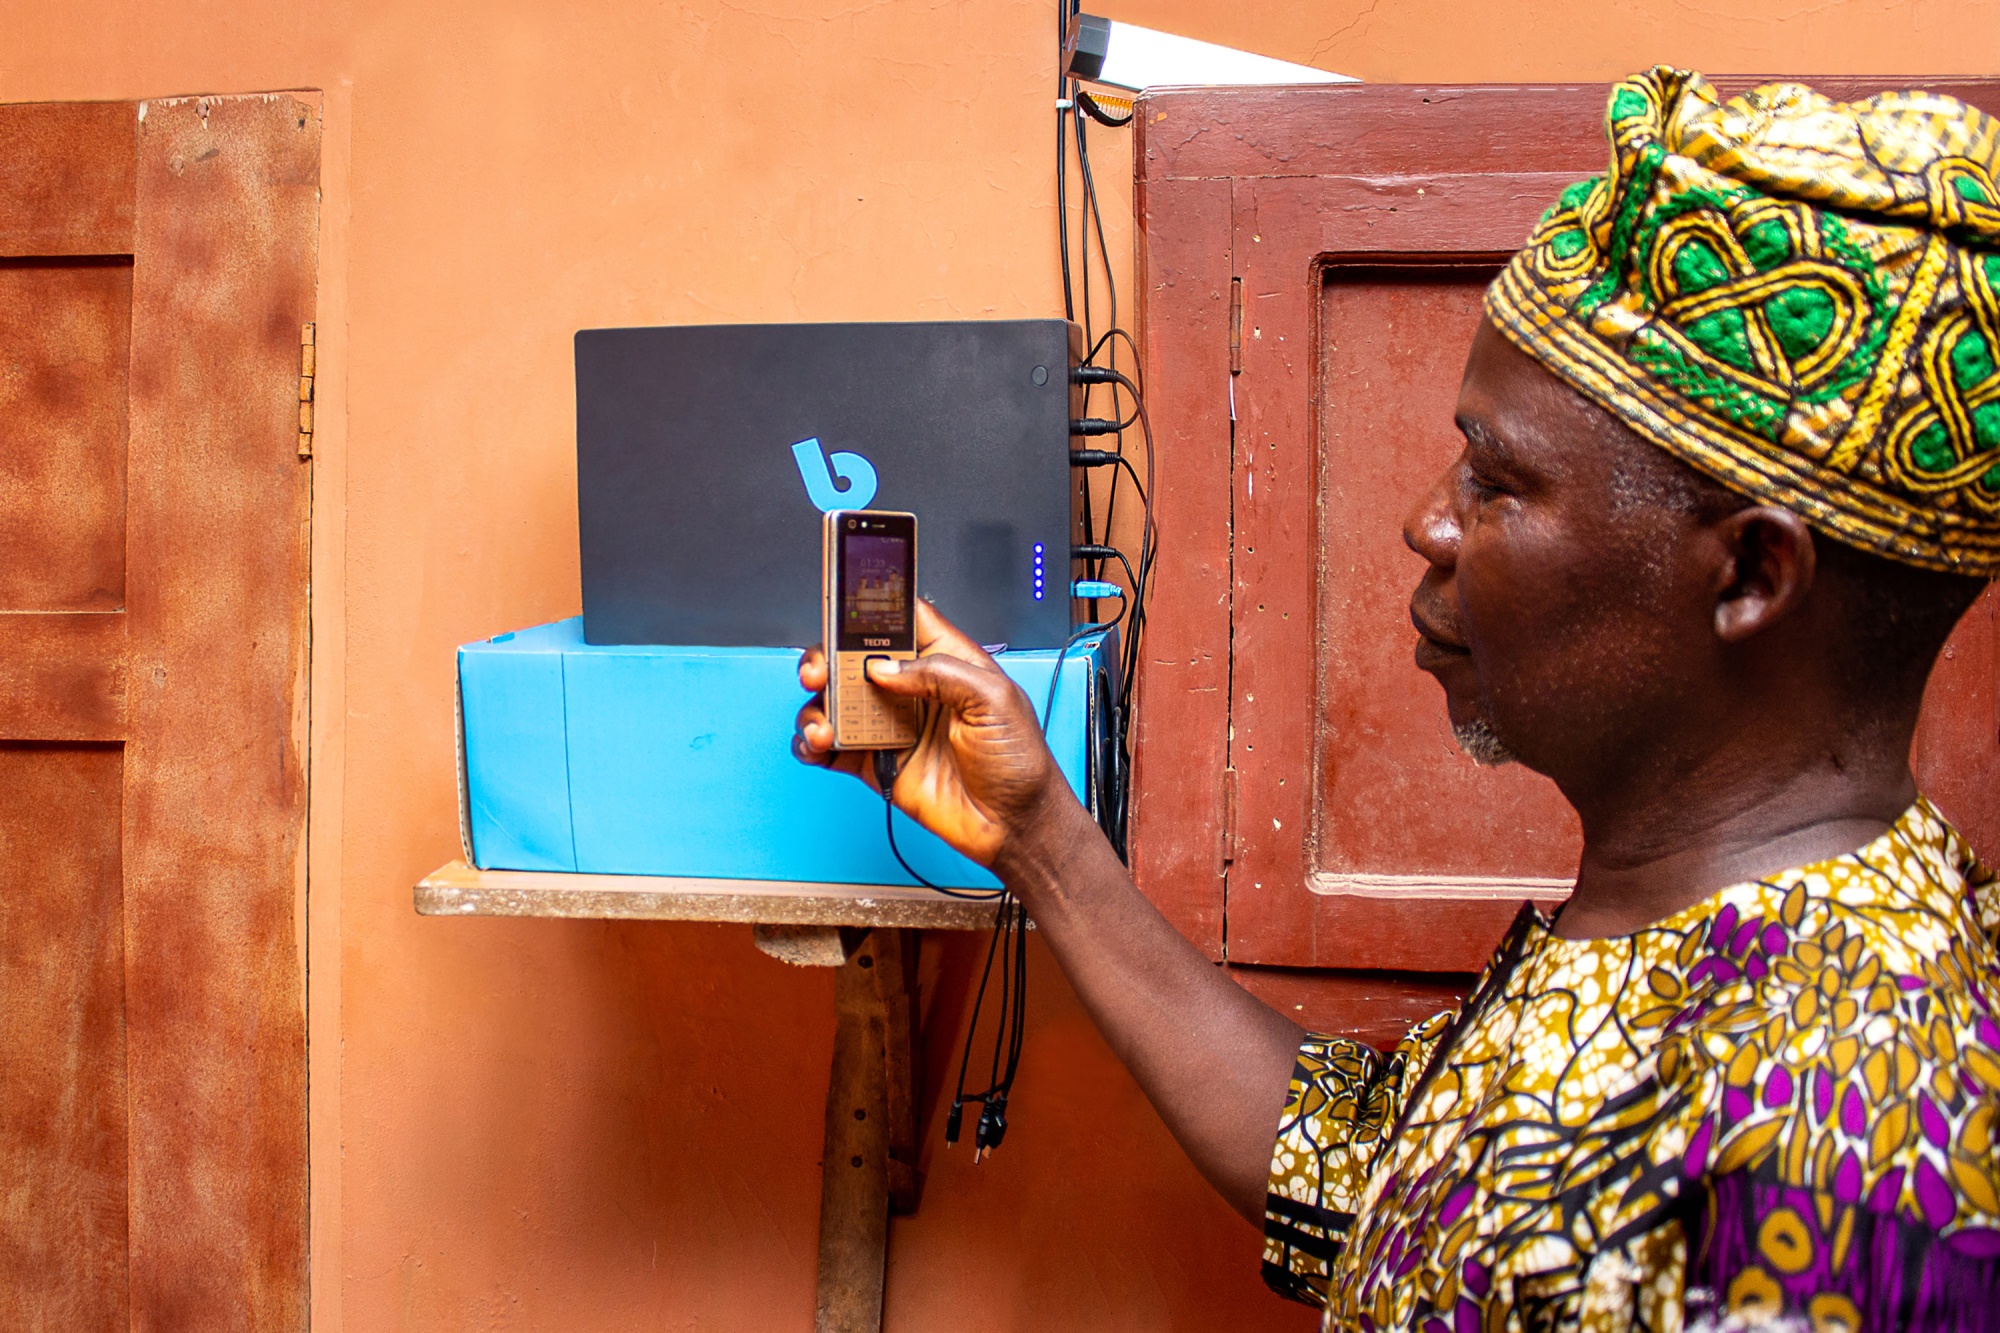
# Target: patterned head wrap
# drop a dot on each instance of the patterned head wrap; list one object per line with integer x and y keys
{"x": 1797, "y": 296}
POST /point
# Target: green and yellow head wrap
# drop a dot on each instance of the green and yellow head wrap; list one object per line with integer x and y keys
{"x": 1799, "y": 297}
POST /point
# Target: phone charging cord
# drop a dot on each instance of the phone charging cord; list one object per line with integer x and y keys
{"x": 1010, "y": 924}
{"x": 886, "y": 769}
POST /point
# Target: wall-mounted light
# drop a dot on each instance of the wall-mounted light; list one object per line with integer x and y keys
{"x": 1125, "y": 55}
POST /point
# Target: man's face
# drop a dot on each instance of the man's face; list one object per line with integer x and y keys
{"x": 1560, "y": 611}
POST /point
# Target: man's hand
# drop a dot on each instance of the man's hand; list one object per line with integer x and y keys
{"x": 980, "y": 774}
{"x": 1214, "y": 1060}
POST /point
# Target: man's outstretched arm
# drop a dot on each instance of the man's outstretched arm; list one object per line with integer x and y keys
{"x": 1213, "y": 1060}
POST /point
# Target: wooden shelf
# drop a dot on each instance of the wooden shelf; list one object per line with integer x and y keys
{"x": 457, "y": 889}
{"x": 868, "y": 1166}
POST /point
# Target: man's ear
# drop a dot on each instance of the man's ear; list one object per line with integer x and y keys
{"x": 1767, "y": 571}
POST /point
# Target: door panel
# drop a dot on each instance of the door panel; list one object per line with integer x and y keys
{"x": 156, "y": 269}
{"x": 62, "y": 676}
{"x": 68, "y": 187}
{"x": 62, "y": 1038}
{"x": 63, "y": 354}
{"x": 1399, "y": 808}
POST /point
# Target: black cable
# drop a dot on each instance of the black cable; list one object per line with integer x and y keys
{"x": 1078, "y": 126}
{"x": 1148, "y": 547}
{"x": 1020, "y": 1000}
{"x": 1097, "y": 111}
{"x": 1070, "y": 92}
{"x": 1062, "y": 165}
{"x": 992, "y": 1128}
{"x": 1134, "y": 614}
{"x": 1094, "y": 214}
{"x": 956, "y": 1115}
{"x": 1087, "y": 374}
{"x": 1010, "y": 921}
{"x": 1011, "y": 918}
{"x": 1103, "y": 553}
{"x": 1090, "y": 357}
{"x": 1129, "y": 650}
{"x": 1149, "y": 535}
{"x": 1055, "y": 677}
{"x": 1103, "y": 425}
{"x": 1091, "y": 426}
{"x": 1109, "y": 458}
{"x": 886, "y": 769}
{"x": 1003, "y": 927}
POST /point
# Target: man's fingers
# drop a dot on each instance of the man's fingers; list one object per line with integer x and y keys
{"x": 941, "y": 677}
{"x": 935, "y": 634}
{"x": 812, "y": 669}
{"x": 812, "y": 734}
{"x": 812, "y": 743}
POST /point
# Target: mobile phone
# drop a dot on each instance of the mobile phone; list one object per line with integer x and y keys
{"x": 868, "y": 600}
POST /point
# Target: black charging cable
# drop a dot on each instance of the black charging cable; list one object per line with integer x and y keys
{"x": 1149, "y": 545}
{"x": 954, "y": 1119}
{"x": 1099, "y": 553}
{"x": 1108, "y": 458}
{"x": 992, "y": 1126}
{"x": 1009, "y": 944}
{"x": 1075, "y": 110}
{"x": 887, "y": 767}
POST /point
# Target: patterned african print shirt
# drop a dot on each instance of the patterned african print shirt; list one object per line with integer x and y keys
{"x": 1779, "y": 1102}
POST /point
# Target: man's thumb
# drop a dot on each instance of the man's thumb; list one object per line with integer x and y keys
{"x": 956, "y": 684}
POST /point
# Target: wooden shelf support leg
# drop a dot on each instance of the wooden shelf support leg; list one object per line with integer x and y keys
{"x": 870, "y": 1133}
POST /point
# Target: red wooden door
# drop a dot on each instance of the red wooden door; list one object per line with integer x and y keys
{"x": 156, "y": 268}
{"x": 1312, "y": 262}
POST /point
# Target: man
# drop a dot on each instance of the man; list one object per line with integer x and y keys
{"x": 1731, "y": 474}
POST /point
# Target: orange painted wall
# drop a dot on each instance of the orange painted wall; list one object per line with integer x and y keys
{"x": 584, "y": 1126}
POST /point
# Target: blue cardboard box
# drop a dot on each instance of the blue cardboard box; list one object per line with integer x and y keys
{"x": 644, "y": 760}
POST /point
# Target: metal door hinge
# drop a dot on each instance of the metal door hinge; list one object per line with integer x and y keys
{"x": 306, "y": 360}
{"x": 1228, "y": 815}
{"x": 1236, "y": 326}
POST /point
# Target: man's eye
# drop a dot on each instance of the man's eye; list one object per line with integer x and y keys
{"x": 1484, "y": 487}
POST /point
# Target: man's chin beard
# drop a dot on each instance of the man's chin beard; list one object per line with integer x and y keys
{"x": 1482, "y": 744}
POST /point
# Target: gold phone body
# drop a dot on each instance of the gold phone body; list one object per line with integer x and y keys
{"x": 868, "y": 609}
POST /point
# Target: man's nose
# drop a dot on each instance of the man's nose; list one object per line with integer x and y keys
{"x": 1431, "y": 527}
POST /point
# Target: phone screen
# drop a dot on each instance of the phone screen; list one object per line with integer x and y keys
{"x": 875, "y": 585}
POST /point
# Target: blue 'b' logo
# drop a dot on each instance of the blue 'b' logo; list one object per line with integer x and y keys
{"x": 856, "y": 473}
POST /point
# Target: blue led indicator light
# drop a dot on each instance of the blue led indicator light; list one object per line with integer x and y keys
{"x": 1038, "y": 571}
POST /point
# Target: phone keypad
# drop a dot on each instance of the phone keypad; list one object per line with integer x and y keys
{"x": 865, "y": 718}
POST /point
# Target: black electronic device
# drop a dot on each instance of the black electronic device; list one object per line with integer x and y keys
{"x": 706, "y": 456}
{"x": 869, "y": 574}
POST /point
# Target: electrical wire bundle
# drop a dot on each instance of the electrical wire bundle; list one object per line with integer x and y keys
{"x": 1009, "y": 943}
{"x": 1099, "y": 370}
{"x": 1075, "y": 108}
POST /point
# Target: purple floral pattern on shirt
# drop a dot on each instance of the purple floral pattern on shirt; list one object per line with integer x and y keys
{"x": 1778, "y": 1100}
